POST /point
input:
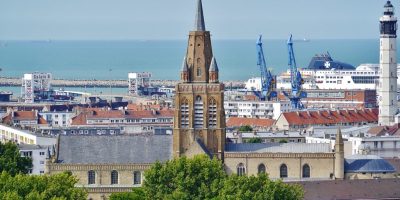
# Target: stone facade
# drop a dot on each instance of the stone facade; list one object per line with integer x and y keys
{"x": 102, "y": 186}
{"x": 199, "y": 101}
{"x": 321, "y": 164}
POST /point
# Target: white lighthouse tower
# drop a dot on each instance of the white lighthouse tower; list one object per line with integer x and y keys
{"x": 388, "y": 66}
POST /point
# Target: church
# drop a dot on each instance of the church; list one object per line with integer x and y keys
{"x": 108, "y": 164}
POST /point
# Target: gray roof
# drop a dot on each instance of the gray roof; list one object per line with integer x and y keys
{"x": 199, "y": 24}
{"x": 213, "y": 66}
{"x": 23, "y": 147}
{"x": 184, "y": 65}
{"x": 278, "y": 147}
{"x": 367, "y": 164}
{"x": 114, "y": 149}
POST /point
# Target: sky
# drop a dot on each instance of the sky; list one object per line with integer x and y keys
{"x": 172, "y": 19}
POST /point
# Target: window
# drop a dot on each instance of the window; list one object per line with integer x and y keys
{"x": 241, "y": 170}
{"x": 198, "y": 112}
{"x": 91, "y": 177}
{"x": 283, "y": 171}
{"x": 185, "y": 114}
{"x": 198, "y": 71}
{"x": 41, "y": 153}
{"x": 137, "y": 178}
{"x": 306, "y": 171}
{"x": 212, "y": 113}
{"x": 114, "y": 177}
{"x": 261, "y": 168}
{"x": 42, "y": 162}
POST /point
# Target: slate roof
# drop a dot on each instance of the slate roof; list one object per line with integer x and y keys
{"x": 367, "y": 164}
{"x": 351, "y": 189}
{"x": 114, "y": 149}
{"x": 277, "y": 148}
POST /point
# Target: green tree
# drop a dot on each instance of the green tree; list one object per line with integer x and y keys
{"x": 246, "y": 128}
{"x": 254, "y": 140}
{"x": 283, "y": 141}
{"x": 54, "y": 187}
{"x": 183, "y": 178}
{"x": 258, "y": 188}
{"x": 204, "y": 178}
{"x": 136, "y": 194}
{"x": 11, "y": 160}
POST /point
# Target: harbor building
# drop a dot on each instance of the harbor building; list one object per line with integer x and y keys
{"x": 34, "y": 84}
{"x": 388, "y": 67}
{"x": 137, "y": 82}
{"x": 256, "y": 109}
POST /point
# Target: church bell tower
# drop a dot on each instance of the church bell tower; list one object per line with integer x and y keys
{"x": 388, "y": 67}
{"x": 199, "y": 119}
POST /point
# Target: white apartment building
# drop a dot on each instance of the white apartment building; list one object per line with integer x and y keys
{"x": 256, "y": 109}
{"x": 24, "y": 136}
{"x": 58, "y": 118}
{"x": 38, "y": 154}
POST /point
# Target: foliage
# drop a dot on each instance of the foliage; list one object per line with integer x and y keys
{"x": 183, "y": 178}
{"x": 136, "y": 194}
{"x": 283, "y": 141}
{"x": 246, "y": 128}
{"x": 54, "y": 187}
{"x": 11, "y": 160}
{"x": 204, "y": 178}
{"x": 258, "y": 188}
{"x": 254, "y": 140}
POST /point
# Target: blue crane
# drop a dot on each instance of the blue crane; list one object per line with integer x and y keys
{"x": 296, "y": 93}
{"x": 267, "y": 80}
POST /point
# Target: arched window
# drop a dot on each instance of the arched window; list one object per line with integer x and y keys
{"x": 184, "y": 114}
{"x": 91, "y": 177}
{"x": 306, "y": 171}
{"x": 241, "y": 170}
{"x": 137, "y": 178}
{"x": 198, "y": 112}
{"x": 114, "y": 177}
{"x": 283, "y": 171}
{"x": 212, "y": 113}
{"x": 261, "y": 168}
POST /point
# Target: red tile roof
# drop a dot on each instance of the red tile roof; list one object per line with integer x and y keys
{"x": 237, "y": 121}
{"x": 331, "y": 117}
{"x": 25, "y": 115}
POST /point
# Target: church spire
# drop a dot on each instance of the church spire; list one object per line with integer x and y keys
{"x": 199, "y": 23}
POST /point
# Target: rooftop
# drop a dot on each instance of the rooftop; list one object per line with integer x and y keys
{"x": 277, "y": 148}
{"x": 114, "y": 149}
{"x": 367, "y": 164}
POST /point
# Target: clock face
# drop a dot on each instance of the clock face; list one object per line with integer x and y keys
{"x": 327, "y": 64}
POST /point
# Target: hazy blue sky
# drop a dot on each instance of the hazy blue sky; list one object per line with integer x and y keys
{"x": 172, "y": 19}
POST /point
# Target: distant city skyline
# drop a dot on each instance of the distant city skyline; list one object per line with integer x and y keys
{"x": 161, "y": 19}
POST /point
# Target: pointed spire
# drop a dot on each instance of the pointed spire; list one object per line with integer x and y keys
{"x": 339, "y": 138}
{"x": 199, "y": 23}
{"x": 184, "y": 65}
{"x": 214, "y": 65}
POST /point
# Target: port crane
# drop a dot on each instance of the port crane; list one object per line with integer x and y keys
{"x": 267, "y": 80}
{"x": 296, "y": 93}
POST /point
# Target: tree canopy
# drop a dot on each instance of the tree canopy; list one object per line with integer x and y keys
{"x": 245, "y": 128}
{"x": 205, "y": 178}
{"x": 35, "y": 187}
{"x": 11, "y": 160}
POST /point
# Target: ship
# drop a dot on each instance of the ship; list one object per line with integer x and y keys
{"x": 323, "y": 72}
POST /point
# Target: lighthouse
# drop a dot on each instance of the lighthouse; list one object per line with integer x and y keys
{"x": 388, "y": 67}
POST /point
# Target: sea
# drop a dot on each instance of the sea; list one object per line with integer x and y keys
{"x": 237, "y": 59}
